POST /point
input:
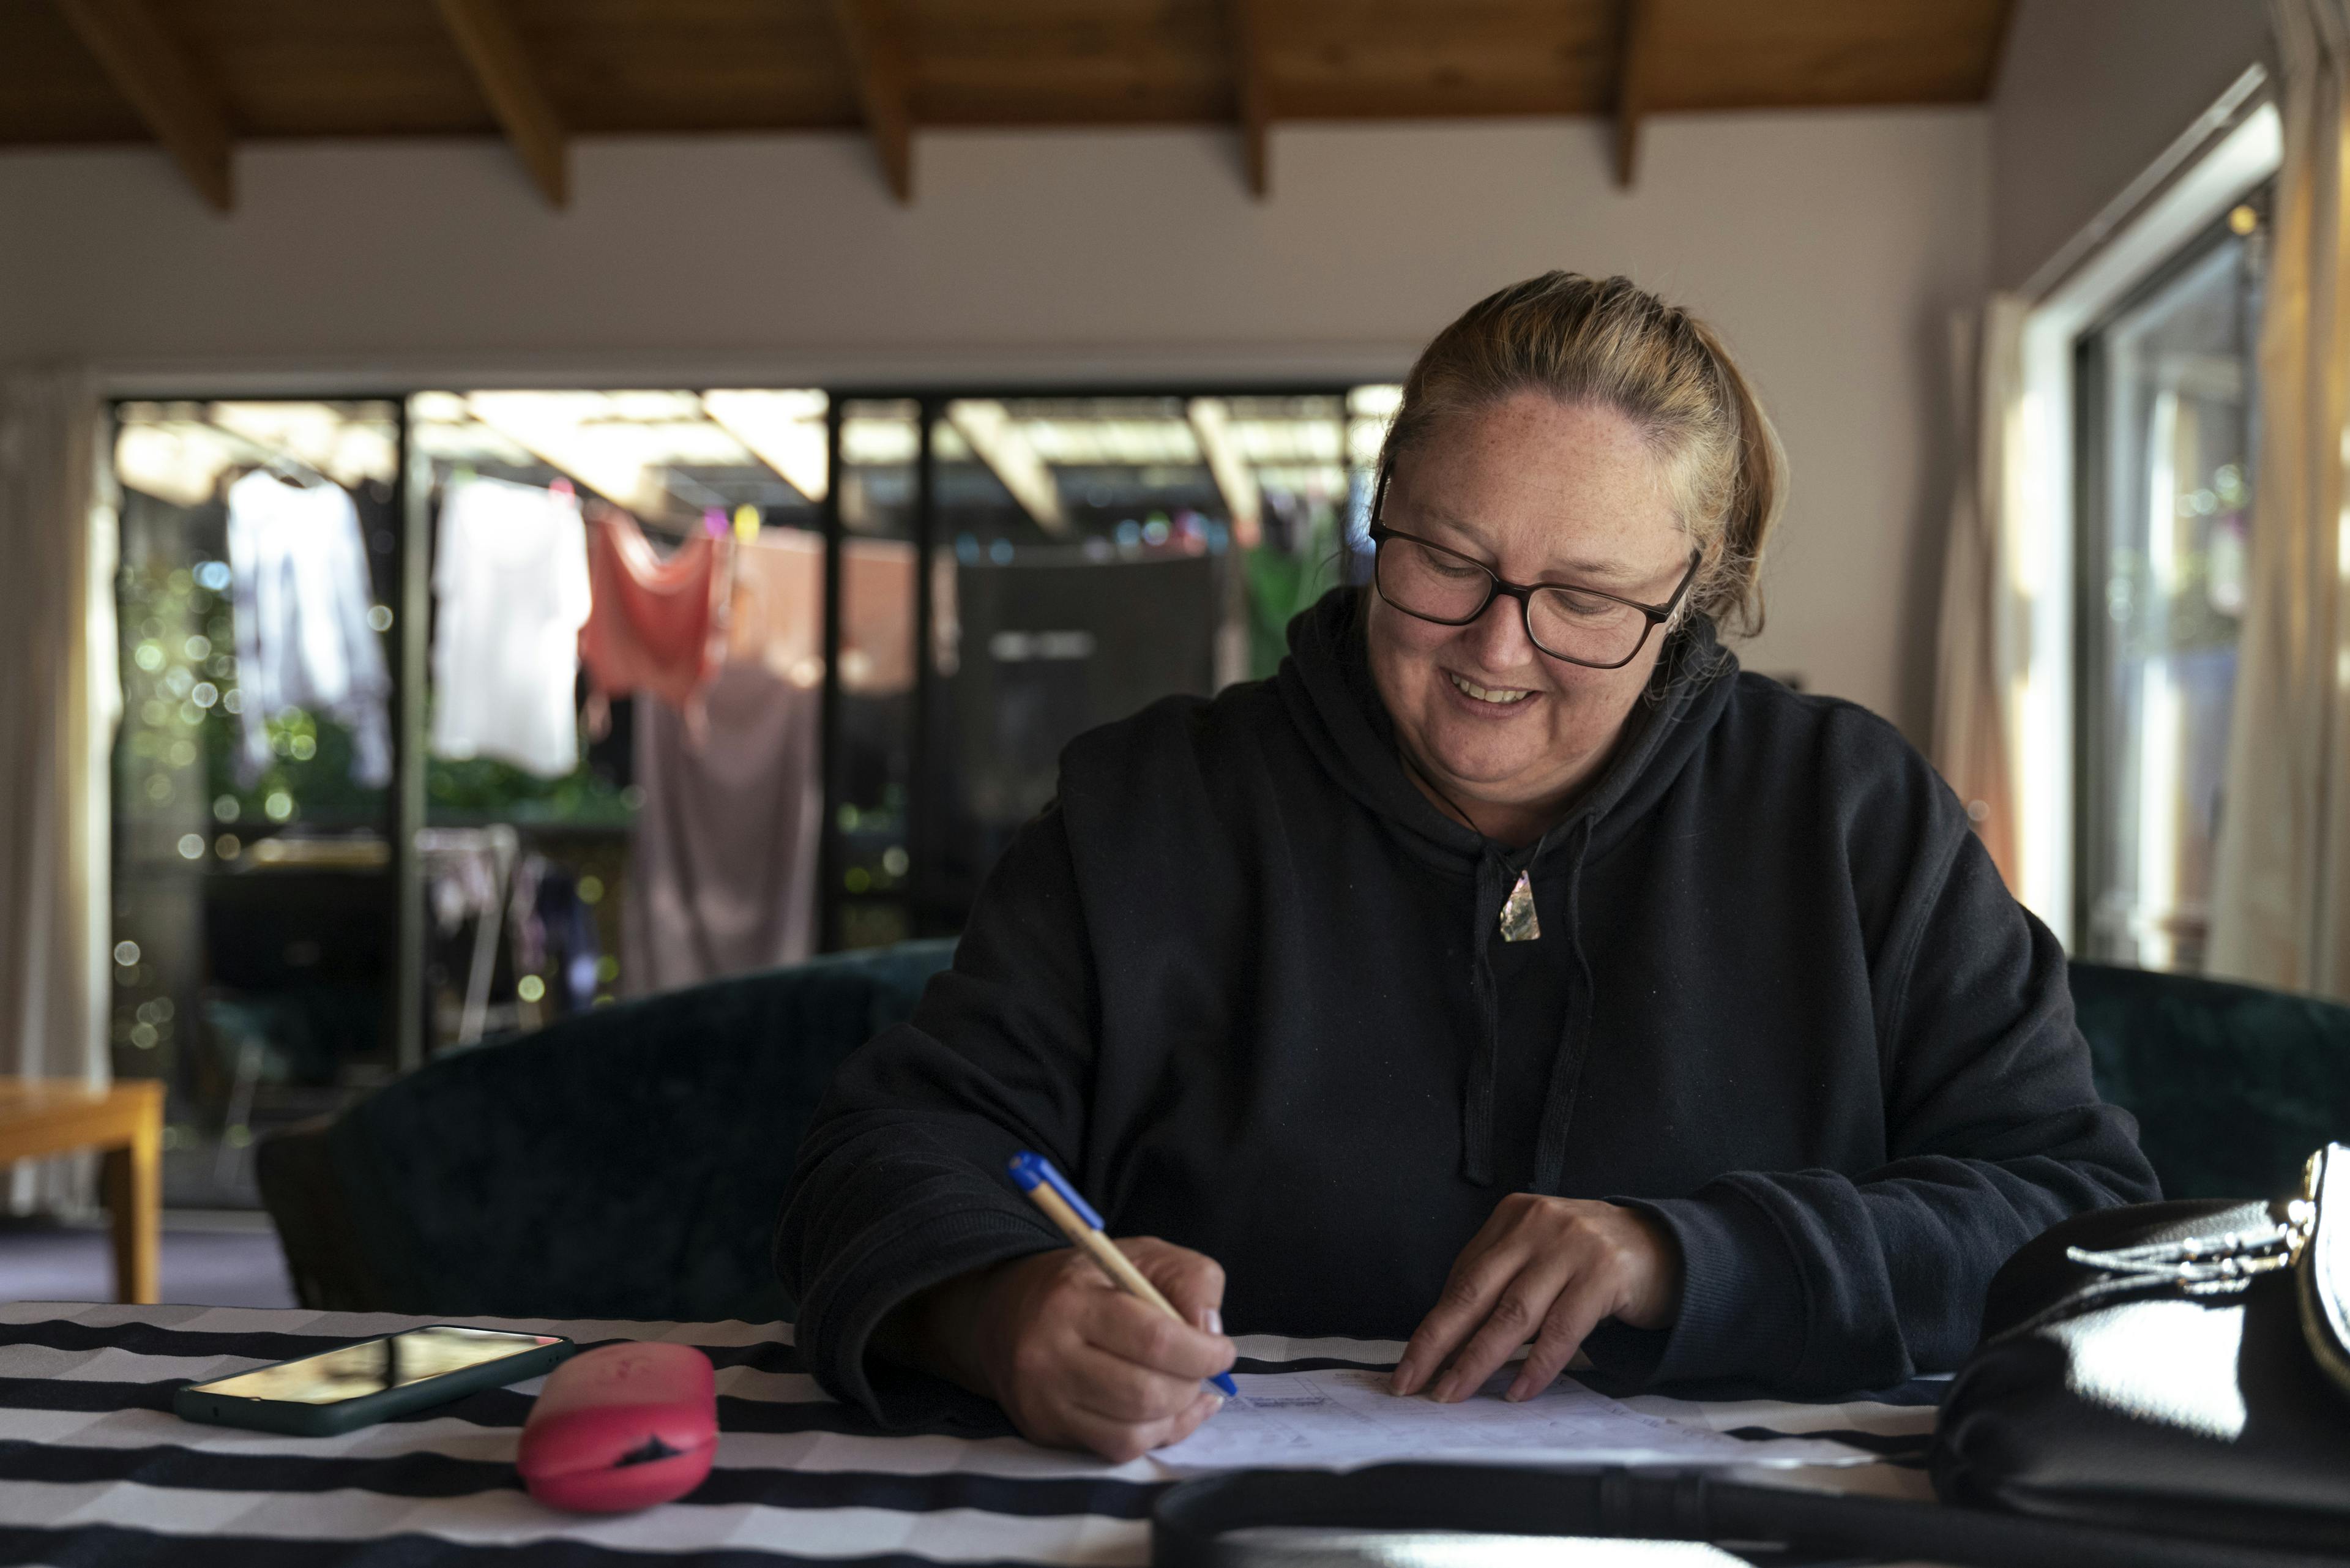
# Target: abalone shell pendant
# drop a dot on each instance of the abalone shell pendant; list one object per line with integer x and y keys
{"x": 1519, "y": 921}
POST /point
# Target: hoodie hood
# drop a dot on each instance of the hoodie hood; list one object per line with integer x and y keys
{"x": 1327, "y": 686}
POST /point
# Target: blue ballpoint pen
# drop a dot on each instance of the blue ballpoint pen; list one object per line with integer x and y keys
{"x": 1048, "y": 1190}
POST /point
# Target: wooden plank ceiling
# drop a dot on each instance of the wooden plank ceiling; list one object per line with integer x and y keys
{"x": 199, "y": 76}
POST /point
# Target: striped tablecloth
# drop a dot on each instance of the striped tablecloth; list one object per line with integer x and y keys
{"x": 95, "y": 1469}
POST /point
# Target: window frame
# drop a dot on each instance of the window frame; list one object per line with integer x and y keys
{"x": 2096, "y": 772}
{"x": 409, "y": 656}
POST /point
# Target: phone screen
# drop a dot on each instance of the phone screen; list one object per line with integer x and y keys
{"x": 373, "y": 1366}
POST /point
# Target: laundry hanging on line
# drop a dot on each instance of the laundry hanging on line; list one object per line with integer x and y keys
{"x": 722, "y": 862}
{"x": 301, "y": 601}
{"x": 510, "y": 580}
{"x": 651, "y": 621}
{"x": 722, "y": 865}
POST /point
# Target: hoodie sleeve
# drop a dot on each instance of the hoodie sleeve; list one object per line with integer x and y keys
{"x": 1818, "y": 1281}
{"x": 900, "y": 1181}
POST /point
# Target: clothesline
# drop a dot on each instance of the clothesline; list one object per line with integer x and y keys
{"x": 303, "y": 605}
{"x": 529, "y": 587}
{"x": 723, "y": 859}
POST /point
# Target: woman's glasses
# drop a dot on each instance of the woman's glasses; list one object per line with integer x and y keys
{"x": 1582, "y": 625}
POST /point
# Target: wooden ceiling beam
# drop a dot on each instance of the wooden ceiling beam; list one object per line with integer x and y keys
{"x": 161, "y": 82}
{"x": 297, "y": 68}
{"x": 884, "y": 86}
{"x": 1244, "y": 24}
{"x": 1211, "y": 426}
{"x": 1000, "y": 442}
{"x": 1635, "y": 83}
{"x": 493, "y": 51}
{"x": 783, "y": 429}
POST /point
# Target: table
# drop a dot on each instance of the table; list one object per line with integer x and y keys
{"x": 62, "y": 1116}
{"x": 94, "y": 1468}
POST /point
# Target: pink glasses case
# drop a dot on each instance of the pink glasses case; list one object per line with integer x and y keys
{"x": 623, "y": 1427}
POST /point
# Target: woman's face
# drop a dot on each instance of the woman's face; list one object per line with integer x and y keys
{"x": 1540, "y": 492}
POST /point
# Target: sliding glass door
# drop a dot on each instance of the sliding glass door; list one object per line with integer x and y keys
{"x": 253, "y": 909}
{"x": 1092, "y": 555}
{"x": 454, "y": 715}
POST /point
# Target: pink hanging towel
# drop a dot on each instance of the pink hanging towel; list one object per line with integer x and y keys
{"x": 649, "y": 621}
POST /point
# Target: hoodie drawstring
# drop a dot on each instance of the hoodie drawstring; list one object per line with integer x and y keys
{"x": 1493, "y": 880}
{"x": 1496, "y": 873}
{"x": 1574, "y": 1034}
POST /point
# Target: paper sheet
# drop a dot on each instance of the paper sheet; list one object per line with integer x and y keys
{"x": 1342, "y": 1418}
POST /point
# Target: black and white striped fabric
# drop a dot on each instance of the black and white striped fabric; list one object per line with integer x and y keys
{"x": 95, "y": 1469}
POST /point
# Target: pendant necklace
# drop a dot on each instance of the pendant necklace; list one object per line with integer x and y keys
{"x": 1521, "y": 922}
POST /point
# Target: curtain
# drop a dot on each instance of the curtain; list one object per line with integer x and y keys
{"x": 1978, "y": 651}
{"x": 2280, "y": 892}
{"x": 57, "y": 711}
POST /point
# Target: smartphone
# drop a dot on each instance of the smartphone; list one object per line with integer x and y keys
{"x": 337, "y": 1390}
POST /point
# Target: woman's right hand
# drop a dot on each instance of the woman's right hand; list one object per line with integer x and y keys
{"x": 1076, "y": 1362}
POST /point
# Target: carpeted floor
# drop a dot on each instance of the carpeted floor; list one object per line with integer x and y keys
{"x": 209, "y": 1259}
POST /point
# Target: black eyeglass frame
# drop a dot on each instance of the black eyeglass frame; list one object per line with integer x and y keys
{"x": 1657, "y": 615}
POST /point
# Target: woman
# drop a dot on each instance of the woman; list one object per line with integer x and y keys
{"x": 1509, "y": 970}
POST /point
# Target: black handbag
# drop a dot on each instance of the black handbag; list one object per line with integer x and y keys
{"x": 2178, "y": 1369}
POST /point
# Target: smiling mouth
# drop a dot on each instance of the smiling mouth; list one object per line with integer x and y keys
{"x": 1498, "y": 699}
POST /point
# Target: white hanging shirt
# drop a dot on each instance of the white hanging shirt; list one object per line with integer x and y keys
{"x": 510, "y": 582}
{"x": 301, "y": 601}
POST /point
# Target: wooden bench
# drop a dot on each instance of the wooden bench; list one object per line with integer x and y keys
{"x": 60, "y": 1116}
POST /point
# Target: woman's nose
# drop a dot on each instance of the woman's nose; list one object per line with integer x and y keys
{"x": 1498, "y": 637}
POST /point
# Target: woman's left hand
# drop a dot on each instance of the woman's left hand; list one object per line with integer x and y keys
{"x": 1546, "y": 1270}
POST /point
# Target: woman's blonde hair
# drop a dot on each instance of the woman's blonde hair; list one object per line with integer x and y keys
{"x": 1607, "y": 343}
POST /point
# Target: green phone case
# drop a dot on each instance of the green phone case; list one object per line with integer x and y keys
{"x": 304, "y": 1420}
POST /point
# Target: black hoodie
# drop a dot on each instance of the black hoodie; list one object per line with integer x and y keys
{"x": 1243, "y": 984}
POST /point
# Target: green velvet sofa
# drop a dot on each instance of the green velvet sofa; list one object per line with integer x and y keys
{"x": 626, "y": 1163}
{"x": 630, "y": 1163}
{"x": 2232, "y": 1085}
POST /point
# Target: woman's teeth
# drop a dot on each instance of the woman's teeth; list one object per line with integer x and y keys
{"x": 1483, "y": 695}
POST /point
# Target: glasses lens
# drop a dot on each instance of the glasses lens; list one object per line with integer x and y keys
{"x": 1587, "y": 628}
{"x": 1428, "y": 582}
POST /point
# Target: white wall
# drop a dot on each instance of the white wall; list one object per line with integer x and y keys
{"x": 2089, "y": 93}
{"x": 1828, "y": 246}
